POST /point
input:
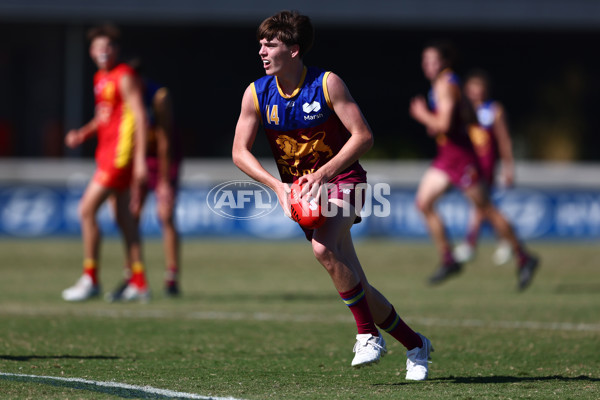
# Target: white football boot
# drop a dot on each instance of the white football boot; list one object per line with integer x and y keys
{"x": 502, "y": 254}
{"x": 134, "y": 292}
{"x": 369, "y": 349}
{"x": 417, "y": 360}
{"x": 463, "y": 253}
{"x": 82, "y": 290}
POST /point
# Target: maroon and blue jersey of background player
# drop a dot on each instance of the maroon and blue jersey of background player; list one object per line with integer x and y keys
{"x": 483, "y": 139}
{"x": 150, "y": 90}
{"x": 302, "y": 129}
{"x": 455, "y": 154}
{"x": 457, "y": 134}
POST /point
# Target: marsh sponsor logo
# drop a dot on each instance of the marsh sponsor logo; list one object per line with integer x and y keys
{"x": 241, "y": 200}
{"x": 315, "y": 106}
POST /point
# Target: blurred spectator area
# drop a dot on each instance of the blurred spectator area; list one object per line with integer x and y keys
{"x": 542, "y": 56}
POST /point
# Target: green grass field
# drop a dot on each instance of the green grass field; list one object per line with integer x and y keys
{"x": 261, "y": 320}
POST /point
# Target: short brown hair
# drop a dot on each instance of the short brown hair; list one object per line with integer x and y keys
{"x": 446, "y": 50}
{"x": 290, "y": 27}
{"x": 107, "y": 30}
{"x": 478, "y": 73}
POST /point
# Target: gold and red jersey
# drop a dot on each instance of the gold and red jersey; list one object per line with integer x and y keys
{"x": 115, "y": 120}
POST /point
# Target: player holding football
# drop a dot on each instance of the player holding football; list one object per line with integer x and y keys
{"x": 491, "y": 140}
{"x": 120, "y": 125}
{"x": 163, "y": 159}
{"x": 455, "y": 164}
{"x": 317, "y": 134}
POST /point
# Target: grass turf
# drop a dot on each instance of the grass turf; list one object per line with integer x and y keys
{"x": 262, "y": 320}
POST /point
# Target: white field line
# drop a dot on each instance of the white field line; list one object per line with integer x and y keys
{"x": 241, "y": 316}
{"x": 104, "y": 387}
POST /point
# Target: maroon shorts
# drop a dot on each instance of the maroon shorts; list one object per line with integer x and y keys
{"x": 350, "y": 192}
{"x": 463, "y": 172}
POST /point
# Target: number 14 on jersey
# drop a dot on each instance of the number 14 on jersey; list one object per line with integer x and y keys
{"x": 272, "y": 114}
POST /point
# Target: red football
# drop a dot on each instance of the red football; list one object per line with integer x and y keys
{"x": 305, "y": 211}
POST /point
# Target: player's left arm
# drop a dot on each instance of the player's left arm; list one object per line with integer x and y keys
{"x": 502, "y": 136}
{"x": 131, "y": 91}
{"x": 164, "y": 134}
{"x": 361, "y": 137}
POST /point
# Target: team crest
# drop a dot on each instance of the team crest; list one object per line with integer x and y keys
{"x": 294, "y": 151}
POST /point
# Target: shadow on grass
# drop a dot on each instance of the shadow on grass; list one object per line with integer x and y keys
{"x": 499, "y": 379}
{"x": 59, "y": 357}
{"x": 111, "y": 388}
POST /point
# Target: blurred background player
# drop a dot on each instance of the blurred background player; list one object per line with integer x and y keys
{"x": 491, "y": 139}
{"x": 163, "y": 158}
{"x": 120, "y": 125}
{"x": 455, "y": 164}
{"x": 325, "y": 133}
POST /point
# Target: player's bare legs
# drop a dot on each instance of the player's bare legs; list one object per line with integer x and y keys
{"x": 88, "y": 285}
{"x": 328, "y": 245}
{"x": 433, "y": 185}
{"x": 129, "y": 228}
{"x": 166, "y": 215}
{"x": 91, "y": 201}
{"x": 526, "y": 263}
{"x": 333, "y": 248}
{"x": 486, "y": 209}
{"x": 465, "y": 251}
{"x": 134, "y": 286}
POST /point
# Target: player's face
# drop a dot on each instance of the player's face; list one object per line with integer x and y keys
{"x": 103, "y": 52}
{"x": 431, "y": 63}
{"x": 475, "y": 90}
{"x": 275, "y": 55}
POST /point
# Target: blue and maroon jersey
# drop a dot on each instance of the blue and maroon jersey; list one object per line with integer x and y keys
{"x": 484, "y": 141}
{"x": 302, "y": 129}
{"x": 455, "y": 153}
{"x": 457, "y": 135}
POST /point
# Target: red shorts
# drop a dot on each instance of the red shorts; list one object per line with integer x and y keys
{"x": 114, "y": 178}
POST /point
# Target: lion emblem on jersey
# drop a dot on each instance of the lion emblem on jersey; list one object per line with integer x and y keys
{"x": 295, "y": 151}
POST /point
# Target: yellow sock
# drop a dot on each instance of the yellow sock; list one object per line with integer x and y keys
{"x": 90, "y": 268}
{"x": 89, "y": 264}
{"x": 137, "y": 267}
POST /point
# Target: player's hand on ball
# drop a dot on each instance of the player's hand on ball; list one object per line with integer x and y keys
{"x": 305, "y": 209}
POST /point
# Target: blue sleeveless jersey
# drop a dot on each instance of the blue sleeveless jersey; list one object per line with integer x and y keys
{"x": 486, "y": 114}
{"x": 452, "y": 78}
{"x": 302, "y": 129}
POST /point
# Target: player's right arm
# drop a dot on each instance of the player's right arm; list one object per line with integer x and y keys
{"x": 245, "y": 135}
{"x": 77, "y": 136}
